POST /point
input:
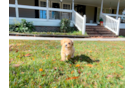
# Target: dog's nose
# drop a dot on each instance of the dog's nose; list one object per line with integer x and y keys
{"x": 66, "y": 45}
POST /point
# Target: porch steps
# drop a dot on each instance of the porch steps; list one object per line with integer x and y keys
{"x": 99, "y": 31}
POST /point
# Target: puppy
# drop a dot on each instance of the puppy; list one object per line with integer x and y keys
{"x": 67, "y": 50}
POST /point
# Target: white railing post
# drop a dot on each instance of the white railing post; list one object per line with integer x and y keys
{"x": 84, "y": 25}
{"x": 47, "y": 10}
{"x": 117, "y": 12}
{"x": 118, "y": 27}
{"x": 72, "y": 10}
{"x": 16, "y": 9}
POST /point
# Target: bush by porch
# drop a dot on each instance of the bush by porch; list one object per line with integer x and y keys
{"x": 25, "y": 27}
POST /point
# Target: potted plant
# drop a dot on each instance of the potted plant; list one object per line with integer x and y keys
{"x": 101, "y": 21}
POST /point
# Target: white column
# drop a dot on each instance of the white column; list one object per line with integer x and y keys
{"x": 16, "y": 9}
{"x": 47, "y": 10}
{"x": 117, "y": 12}
{"x": 101, "y": 9}
{"x": 72, "y": 10}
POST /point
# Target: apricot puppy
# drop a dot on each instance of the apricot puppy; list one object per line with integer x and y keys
{"x": 67, "y": 50}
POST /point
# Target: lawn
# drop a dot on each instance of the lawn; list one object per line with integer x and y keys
{"x": 36, "y": 64}
{"x": 121, "y": 36}
{"x": 78, "y": 33}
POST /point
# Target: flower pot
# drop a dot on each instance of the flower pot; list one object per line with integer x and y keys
{"x": 101, "y": 23}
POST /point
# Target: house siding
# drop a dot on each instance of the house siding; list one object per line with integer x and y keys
{"x": 27, "y": 2}
{"x": 12, "y": 10}
{"x": 11, "y": 1}
{"x": 120, "y": 11}
{"x": 27, "y": 12}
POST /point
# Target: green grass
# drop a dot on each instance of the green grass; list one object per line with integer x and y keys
{"x": 121, "y": 36}
{"x": 54, "y": 33}
{"x": 95, "y": 65}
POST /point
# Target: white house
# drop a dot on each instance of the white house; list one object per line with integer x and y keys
{"x": 82, "y": 13}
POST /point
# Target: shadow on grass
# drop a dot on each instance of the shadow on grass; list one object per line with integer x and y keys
{"x": 82, "y": 58}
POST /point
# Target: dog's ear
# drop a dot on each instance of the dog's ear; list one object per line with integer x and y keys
{"x": 62, "y": 41}
{"x": 72, "y": 42}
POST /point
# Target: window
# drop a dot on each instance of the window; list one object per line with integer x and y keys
{"x": 65, "y": 14}
{"x": 66, "y": 6}
{"x": 42, "y": 4}
{"x": 43, "y": 13}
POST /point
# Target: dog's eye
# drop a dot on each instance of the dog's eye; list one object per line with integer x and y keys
{"x": 69, "y": 43}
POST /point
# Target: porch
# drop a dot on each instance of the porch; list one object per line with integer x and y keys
{"x": 50, "y": 12}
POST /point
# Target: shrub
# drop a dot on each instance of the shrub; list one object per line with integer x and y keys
{"x": 11, "y": 27}
{"x": 72, "y": 29}
{"x": 64, "y": 25}
{"x": 24, "y": 26}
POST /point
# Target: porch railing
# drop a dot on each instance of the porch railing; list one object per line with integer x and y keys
{"x": 36, "y": 8}
{"x": 119, "y": 16}
{"x": 79, "y": 21}
{"x": 114, "y": 15}
{"x": 111, "y": 23}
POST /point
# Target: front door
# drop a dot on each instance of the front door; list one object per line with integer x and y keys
{"x": 81, "y": 9}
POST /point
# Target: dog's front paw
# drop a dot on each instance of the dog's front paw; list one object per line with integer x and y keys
{"x": 62, "y": 60}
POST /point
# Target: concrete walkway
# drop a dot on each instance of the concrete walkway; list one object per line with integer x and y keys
{"x": 75, "y": 39}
